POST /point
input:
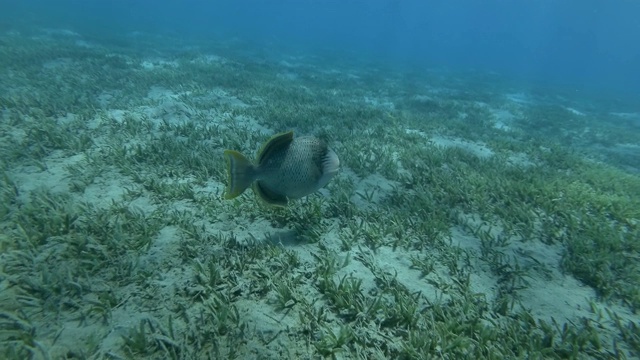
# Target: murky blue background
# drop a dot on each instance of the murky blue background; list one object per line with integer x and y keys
{"x": 579, "y": 44}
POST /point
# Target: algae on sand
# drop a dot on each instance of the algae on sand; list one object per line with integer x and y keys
{"x": 452, "y": 230}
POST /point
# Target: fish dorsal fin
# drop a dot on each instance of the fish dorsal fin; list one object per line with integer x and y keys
{"x": 276, "y": 143}
{"x": 269, "y": 196}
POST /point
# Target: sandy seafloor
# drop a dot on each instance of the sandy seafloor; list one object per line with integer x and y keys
{"x": 116, "y": 244}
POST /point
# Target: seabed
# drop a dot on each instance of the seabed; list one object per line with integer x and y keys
{"x": 473, "y": 217}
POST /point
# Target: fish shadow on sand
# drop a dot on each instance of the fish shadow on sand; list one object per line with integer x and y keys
{"x": 284, "y": 237}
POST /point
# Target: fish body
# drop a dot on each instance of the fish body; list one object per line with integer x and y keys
{"x": 287, "y": 167}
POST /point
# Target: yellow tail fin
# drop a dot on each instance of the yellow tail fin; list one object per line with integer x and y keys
{"x": 241, "y": 174}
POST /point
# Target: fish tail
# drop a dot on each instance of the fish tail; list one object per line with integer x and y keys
{"x": 241, "y": 174}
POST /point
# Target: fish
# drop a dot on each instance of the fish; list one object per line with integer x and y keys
{"x": 286, "y": 167}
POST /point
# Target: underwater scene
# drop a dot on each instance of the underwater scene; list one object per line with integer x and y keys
{"x": 319, "y": 179}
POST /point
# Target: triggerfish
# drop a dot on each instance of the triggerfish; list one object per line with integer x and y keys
{"x": 286, "y": 168}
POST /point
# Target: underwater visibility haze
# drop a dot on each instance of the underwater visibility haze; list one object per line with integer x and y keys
{"x": 430, "y": 179}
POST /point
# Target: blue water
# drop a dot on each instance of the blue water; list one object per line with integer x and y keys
{"x": 586, "y": 45}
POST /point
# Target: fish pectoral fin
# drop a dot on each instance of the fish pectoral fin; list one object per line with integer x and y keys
{"x": 269, "y": 196}
{"x": 241, "y": 174}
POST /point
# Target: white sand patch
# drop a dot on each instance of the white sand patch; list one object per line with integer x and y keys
{"x": 549, "y": 293}
{"x": 53, "y": 177}
{"x": 632, "y": 119}
{"x": 163, "y": 249}
{"x": 252, "y": 124}
{"x": 161, "y": 93}
{"x": 67, "y": 118}
{"x": 561, "y": 298}
{"x": 502, "y": 119}
{"x": 142, "y": 203}
{"x": 117, "y": 115}
{"x": 626, "y": 115}
{"x": 520, "y": 159}
{"x": 353, "y": 76}
{"x": 483, "y": 281}
{"x": 501, "y": 126}
{"x": 291, "y": 76}
{"x": 380, "y": 103}
{"x": 398, "y": 263}
{"x": 210, "y": 59}
{"x": 520, "y": 98}
{"x": 84, "y": 44}
{"x": 73, "y": 333}
{"x": 631, "y": 149}
{"x": 267, "y": 325}
{"x": 288, "y": 64}
{"x": 106, "y": 189}
{"x": 153, "y": 64}
{"x": 247, "y": 231}
{"x": 223, "y": 97}
{"x": 575, "y": 112}
{"x": 436, "y": 92}
{"x": 104, "y": 99}
{"x": 478, "y": 149}
{"x": 61, "y": 32}
{"x": 371, "y": 190}
{"x": 422, "y": 98}
{"x": 356, "y": 268}
{"x": 168, "y": 109}
{"x": 331, "y": 71}
{"x": 124, "y": 319}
